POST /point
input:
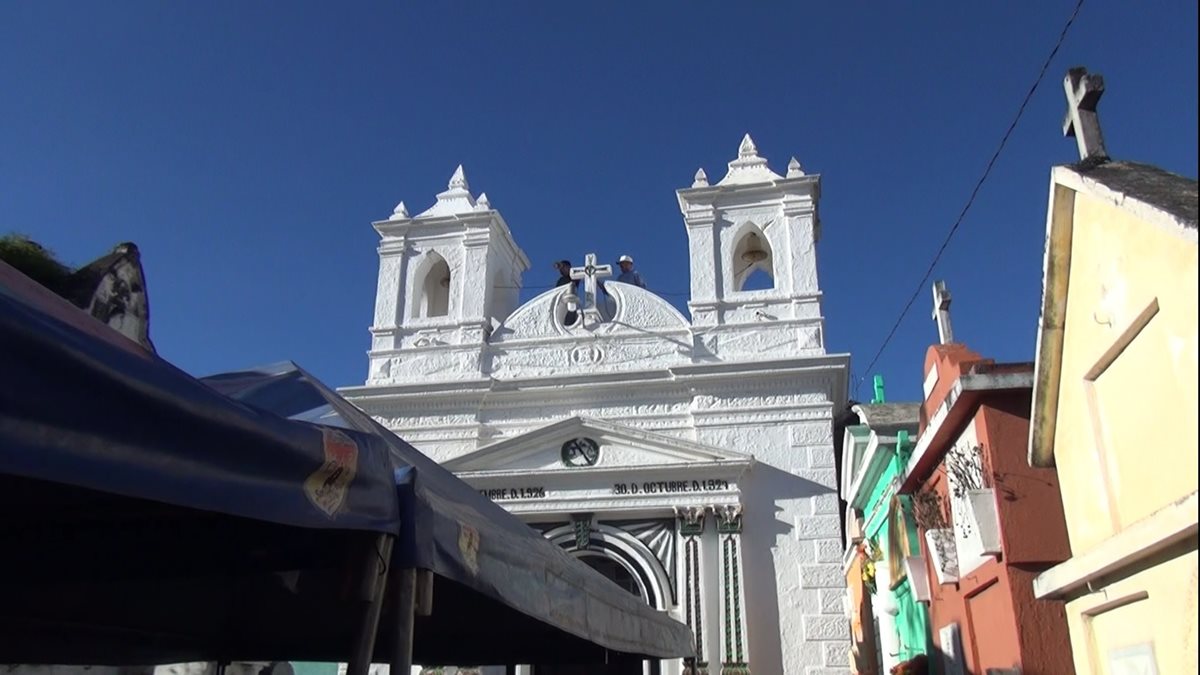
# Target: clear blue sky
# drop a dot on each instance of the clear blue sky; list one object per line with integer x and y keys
{"x": 247, "y": 146}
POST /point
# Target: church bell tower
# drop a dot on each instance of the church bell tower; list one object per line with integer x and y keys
{"x": 447, "y": 276}
{"x": 752, "y": 241}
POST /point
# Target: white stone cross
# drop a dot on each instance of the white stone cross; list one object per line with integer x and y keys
{"x": 941, "y": 312}
{"x": 1083, "y": 93}
{"x": 590, "y": 273}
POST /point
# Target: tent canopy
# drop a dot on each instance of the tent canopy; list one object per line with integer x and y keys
{"x": 504, "y": 559}
{"x": 145, "y": 517}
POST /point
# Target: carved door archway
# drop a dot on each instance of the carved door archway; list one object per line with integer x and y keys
{"x": 624, "y": 560}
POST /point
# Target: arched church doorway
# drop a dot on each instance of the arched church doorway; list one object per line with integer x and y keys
{"x": 614, "y": 571}
{"x": 626, "y": 571}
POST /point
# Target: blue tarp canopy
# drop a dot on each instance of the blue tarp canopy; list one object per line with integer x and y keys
{"x": 149, "y": 517}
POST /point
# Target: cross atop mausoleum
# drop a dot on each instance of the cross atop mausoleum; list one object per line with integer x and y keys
{"x": 1083, "y": 93}
{"x": 590, "y": 274}
{"x": 941, "y": 312}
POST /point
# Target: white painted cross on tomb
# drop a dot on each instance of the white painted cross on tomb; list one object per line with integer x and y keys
{"x": 687, "y": 456}
{"x": 590, "y": 274}
{"x": 1083, "y": 93}
{"x": 941, "y": 312}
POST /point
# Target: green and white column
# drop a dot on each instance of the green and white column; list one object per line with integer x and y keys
{"x": 734, "y": 657}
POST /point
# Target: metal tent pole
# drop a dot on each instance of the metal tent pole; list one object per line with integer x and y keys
{"x": 406, "y": 604}
{"x": 373, "y": 585}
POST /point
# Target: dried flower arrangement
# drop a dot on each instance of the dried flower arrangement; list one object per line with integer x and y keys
{"x": 871, "y": 556}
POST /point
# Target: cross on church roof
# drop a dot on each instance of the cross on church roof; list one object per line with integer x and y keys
{"x": 590, "y": 273}
{"x": 941, "y": 312}
{"x": 1083, "y": 93}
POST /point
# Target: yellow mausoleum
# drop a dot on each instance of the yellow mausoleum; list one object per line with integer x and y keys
{"x": 1115, "y": 409}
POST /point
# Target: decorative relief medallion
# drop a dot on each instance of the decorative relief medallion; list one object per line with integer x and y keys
{"x": 585, "y": 356}
{"x": 579, "y": 452}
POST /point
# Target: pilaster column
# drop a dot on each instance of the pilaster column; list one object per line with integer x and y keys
{"x": 691, "y": 526}
{"x": 704, "y": 249}
{"x": 389, "y": 289}
{"x": 801, "y": 263}
{"x": 734, "y": 660}
{"x": 472, "y": 282}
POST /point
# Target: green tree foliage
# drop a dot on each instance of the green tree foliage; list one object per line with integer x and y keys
{"x": 33, "y": 260}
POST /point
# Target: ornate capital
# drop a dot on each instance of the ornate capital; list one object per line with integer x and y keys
{"x": 691, "y": 520}
{"x": 729, "y": 518}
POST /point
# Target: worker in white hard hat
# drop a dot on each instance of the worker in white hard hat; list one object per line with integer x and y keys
{"x": 629, "y": 275}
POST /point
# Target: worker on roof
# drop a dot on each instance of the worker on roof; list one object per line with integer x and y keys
{"x": 629, "y": 275}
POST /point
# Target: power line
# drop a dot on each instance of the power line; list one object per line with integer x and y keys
{"x": 546, "y": 287}
{"x": 971, "y": 200}
{"x": 656, "y": 292}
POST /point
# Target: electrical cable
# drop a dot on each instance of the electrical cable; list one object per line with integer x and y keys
{"x": 971, "y": 199}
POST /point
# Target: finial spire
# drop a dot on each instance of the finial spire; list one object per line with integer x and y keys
{"x": 482, "y": 204}
{"x": 749, "y": 167}
{"x": 400, "y": 212}
{"x": 941, "y": 312}
{"x": 701, "y": 179}
{"x": 794, "y": 169}
{"x": 747, "y": 148}
{"x": 1083, "y": 93}
{"x": 459, "y": 179}
{"x": 456, "y": 199}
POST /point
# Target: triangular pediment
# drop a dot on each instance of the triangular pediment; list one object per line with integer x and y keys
{"x": 586, "y": 443}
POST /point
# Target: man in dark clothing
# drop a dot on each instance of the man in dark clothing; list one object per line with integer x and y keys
{"x": 564, "y": 278}
{"x": 564, "y": 275}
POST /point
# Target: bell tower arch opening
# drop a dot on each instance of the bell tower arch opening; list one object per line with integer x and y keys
{"x": 753, "y": 263}
{"x": 435, "y": 288}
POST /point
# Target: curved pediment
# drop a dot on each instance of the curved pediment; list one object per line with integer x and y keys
{"x": 630, "y": 310}
{"x": 534, "y": 319}
{"x": 638, "y": 310}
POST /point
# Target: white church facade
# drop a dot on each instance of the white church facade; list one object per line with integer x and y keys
{"x": 691, "y": 461}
